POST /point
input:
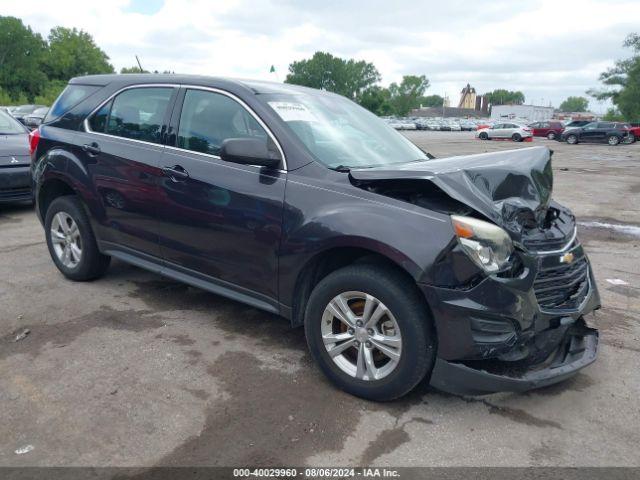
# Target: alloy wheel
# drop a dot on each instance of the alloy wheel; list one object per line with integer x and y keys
{"x": 361, "y": 336}
{"x": 66, "y": 239}
{"x": 613, "y": 140}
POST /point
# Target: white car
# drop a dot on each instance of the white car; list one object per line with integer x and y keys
{"x": 514, "y": 131}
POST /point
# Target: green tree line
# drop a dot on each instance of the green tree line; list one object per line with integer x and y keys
{"x": 35, "y": 69}
{"x": 359, "y": 81}
{"x": 622, "y": 84}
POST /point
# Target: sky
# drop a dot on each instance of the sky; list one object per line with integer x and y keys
{"x": 548, "y": 49}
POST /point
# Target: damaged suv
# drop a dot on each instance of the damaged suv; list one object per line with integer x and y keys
{"x": 460, "y": 271}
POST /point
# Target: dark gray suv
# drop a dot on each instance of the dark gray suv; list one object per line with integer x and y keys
{"x": 402, "y": 268}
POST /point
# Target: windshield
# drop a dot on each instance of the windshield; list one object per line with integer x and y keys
{"x": 9, "y": 125}
{"x": 339, "y": 133}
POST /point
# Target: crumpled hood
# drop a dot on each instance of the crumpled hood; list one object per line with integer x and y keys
{"x": 512, "y": 188}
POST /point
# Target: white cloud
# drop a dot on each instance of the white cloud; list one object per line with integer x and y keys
{"x": 548, "y": 49}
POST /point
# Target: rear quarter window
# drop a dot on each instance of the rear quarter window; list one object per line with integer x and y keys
{"x": 71, "y": 96}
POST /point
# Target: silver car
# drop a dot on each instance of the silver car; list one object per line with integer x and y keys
{"x": 505, "y": 130}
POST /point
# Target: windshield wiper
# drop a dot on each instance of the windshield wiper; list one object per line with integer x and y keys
{"x": 341, "y": 168}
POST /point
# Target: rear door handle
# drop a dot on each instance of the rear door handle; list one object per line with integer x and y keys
{"x": 91, "y": 148}
{"x": 176, "y": 173}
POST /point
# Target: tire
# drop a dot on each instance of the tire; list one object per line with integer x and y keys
{"x": 551, "y": 135}
{"x": 572, "y": 139}
{"x": 89, "y": 263}
{"x": 407, "y": 314}
{"x": 483, "y": 136}
{"x": 613, "y": 140}
{"x": 516, "y": 137}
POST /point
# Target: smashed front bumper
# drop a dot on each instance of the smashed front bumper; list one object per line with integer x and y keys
{"x": 515, "y": 334}
{"x": 577, "y": 350}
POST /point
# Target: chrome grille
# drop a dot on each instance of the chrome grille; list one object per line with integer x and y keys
{"x": 562, "y": 287}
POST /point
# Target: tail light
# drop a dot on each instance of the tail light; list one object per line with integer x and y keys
{"x": 34, "y": 139}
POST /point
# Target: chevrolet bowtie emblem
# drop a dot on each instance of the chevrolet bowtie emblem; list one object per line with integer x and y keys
{"x": 567, "y": 258}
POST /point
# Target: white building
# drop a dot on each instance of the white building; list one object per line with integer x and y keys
{"x": 532, "y": 113}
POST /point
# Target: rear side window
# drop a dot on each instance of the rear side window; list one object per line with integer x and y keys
{"x": 208, "y": 118}
{"x": 605, "y": 125}
{"x": 98, "y": 122}
{"x": 71, "y": 96}
{"x": 136, "y": 113}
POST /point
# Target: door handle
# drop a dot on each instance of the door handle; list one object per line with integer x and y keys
{"x": 91, "y": 148}
{"x": 176, "y": 173}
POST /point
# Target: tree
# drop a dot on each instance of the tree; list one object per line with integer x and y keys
{"x": 346, "y": 77}
{"x": 72, "y": 53}
{"x": 135, "y": 69}
{"x": 574, "y": 104}
{"x": 407, "y": 94}
{"x": 613, "y": 115}
{"x": 21, "y": 54}
{"x": 50, "y": 92}
{"x": 505, "y": 97}
{"x": 622, "y": 82}
{"x": 376, "y": 100}
{"x": 431, "y": 101}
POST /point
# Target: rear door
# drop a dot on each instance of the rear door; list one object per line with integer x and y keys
{"x": 496, "y": 131}
{"x": 121, "y": 147}
{"x": 590, "y": 132}
{"x": 220, "y": 220}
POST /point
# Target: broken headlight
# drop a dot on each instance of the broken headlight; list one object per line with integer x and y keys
{"x": 488, "y": 245}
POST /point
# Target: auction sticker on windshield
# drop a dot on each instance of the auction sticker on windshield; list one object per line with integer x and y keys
{"x": 292, "y": 111}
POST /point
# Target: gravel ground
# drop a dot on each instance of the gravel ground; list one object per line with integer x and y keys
{"x": 137, "y": 370}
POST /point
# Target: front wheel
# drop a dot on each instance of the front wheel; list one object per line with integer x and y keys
{"x": 516, "y": 137}
{"x": 369, "y": 330}
{"x": 483, "y": 136}
{"x": 71, "y": 242}
{"x": 613, "y": 140}
{"x": 572, "y": 139}
{"x": 551, "y": 135}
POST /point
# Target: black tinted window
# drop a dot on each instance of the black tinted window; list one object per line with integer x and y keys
{"x": 69, "y": 98}
{"x": 605, "y": 125}
{"x": 208, "y": 118}
{"x": 138, "y": 113}
{"x": 98, "y": 121}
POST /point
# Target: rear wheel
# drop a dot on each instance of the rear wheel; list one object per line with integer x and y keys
{"x": 483, "y": 136}
{"x": 551, "y": 135}
{"x": 613, "y": 140}
{"x": 368, "y": 329}
{"x": 516, "y": 137}
{"x": 572, "y": 139}
{"x": 71, "y": 242}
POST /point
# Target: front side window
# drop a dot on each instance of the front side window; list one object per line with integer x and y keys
{"x": 208, "y": 118}
{"x": 136, "y": 114}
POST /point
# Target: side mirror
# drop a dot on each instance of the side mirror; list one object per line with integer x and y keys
{"x": 248, "y": 151}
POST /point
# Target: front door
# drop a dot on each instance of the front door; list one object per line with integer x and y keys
{"x": 218, "y": 219}
{"x": 121, "y": 149}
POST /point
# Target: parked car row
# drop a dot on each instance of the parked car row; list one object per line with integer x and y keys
{"x": 438, "y": 124}
{"x": 29, "y": 115}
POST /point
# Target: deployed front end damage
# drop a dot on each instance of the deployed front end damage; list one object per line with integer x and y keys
{"x": 522, "y": 325}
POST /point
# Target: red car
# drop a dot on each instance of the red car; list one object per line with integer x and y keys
{"x": 551, "y": 129}
{"x": 635, "y": 131}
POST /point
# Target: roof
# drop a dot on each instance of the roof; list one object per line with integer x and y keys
{"x": 258, "y": 86}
